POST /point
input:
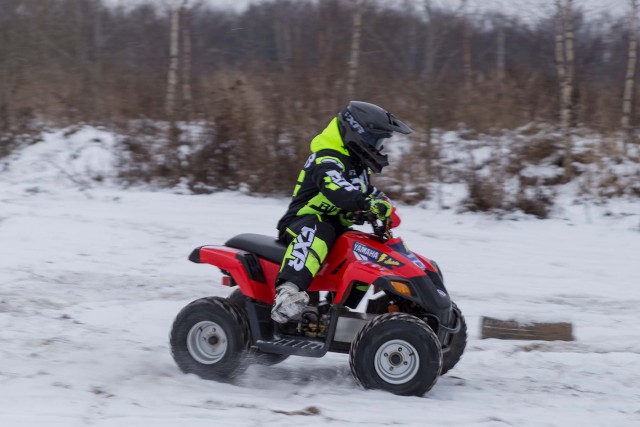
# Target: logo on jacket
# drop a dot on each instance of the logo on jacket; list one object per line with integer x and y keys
{"x": 325, "y": 208}
{"x": 335, "y": 177}
{"x": 301, "y": 248}
{"x": 310, "y": 160}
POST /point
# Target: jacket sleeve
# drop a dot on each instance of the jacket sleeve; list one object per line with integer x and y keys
{"x": 329, "y": 178}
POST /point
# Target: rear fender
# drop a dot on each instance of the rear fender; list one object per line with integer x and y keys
{"x": 254, "y": 276}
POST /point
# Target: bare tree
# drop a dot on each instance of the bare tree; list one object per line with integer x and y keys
{"x": 570, "y": 57}
{"x": 174, "y": 60}
{"x": 500, "y": 57}
{"x": 429, "y": 77}
{"x": 629, "y": 85}
{"x": 355, "y": 49}
{"x": 109, "y": 60}
{"x": 564, "y": 54}
{"x": 186, "y": 61}
{"x": 97, "y": 60}
{"x": 466, "y": 51}
{"x": 283, "y": 28}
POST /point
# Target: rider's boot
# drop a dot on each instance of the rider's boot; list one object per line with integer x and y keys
{"x": 290, "y": 302}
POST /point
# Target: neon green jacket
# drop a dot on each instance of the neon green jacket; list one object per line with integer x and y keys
{"x": 331, "y": 184}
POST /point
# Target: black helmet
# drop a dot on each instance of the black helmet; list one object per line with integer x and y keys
{"x": 364, "y": 127}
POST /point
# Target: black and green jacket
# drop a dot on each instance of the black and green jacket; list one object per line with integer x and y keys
{"x": 332, "y": 183}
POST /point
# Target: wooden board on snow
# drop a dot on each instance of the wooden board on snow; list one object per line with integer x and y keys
{"x": 515, "y": 330}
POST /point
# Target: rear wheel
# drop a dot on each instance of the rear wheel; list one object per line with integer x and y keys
{"x": 396, "y": 352}
{"x": 257, "y": 356}
{"x": 210, "y": 338}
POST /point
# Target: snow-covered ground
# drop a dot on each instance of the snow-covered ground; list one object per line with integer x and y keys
{"x": 91, "y": 277}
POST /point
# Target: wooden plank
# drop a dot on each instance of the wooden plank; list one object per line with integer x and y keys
{"x": 515, "y": 330}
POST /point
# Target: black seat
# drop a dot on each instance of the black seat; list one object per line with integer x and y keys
{"x": 264, "y": 246}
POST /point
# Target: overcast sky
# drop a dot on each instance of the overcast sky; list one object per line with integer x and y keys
{"x": 526, "y": 9}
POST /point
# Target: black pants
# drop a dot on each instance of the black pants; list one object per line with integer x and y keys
{"x": 310, "y": 238}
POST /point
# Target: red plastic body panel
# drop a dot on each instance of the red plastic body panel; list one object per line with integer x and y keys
{"x": 355, "y": 257}
{"x": 342, "y": 267}
{"x": 427, "y": 263}
{"x": 226, "y": 259}
{"x": 395, "y": 218}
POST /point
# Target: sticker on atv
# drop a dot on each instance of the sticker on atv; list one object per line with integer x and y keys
{"x": 365, "y": 253}
{"x": 404, "y": 250}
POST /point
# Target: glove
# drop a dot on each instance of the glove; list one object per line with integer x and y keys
{"x": 347, "y": 219}
{"x": 377, "y": 194}
{"x": 380, "y": 208}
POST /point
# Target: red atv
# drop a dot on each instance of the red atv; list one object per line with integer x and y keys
{"x": 373, "y": 298}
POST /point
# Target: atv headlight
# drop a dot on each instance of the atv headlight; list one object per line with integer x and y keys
{"x": 401, "y": 288}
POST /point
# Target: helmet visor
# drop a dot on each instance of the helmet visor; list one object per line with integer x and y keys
{"x": 375, "y": 141}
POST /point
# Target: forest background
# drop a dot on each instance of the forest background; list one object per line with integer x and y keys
{"x": 516, "y": 114}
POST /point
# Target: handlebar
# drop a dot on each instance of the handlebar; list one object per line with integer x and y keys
{"x": 382, "y": 229}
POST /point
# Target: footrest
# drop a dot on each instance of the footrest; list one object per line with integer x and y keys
{"x": 269, "y": 338}
{"x": 294, "y": 346}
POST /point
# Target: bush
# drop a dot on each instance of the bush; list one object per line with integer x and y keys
{"x": 484, "y": 195}
{"x": 539, "y": 204}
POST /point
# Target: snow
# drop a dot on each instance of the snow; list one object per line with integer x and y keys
{"x": 92, "y": 276}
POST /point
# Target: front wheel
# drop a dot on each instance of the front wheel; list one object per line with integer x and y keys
{"x": 210, "y": 338}
{"x": 457, "y": 344}
{"x": 396, "y": 352}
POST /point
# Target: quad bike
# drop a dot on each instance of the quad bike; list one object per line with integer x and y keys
{"x": 372, "y": 298}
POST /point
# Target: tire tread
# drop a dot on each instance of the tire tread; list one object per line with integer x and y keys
{"x": 384, "y": 318}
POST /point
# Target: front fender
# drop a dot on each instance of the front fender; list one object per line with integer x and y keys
{"x": 359, "y": 271}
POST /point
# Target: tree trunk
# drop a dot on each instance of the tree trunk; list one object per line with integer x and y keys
{"x": 466, "y": 53}
{"x": 355, "y": 49}
{"x": 97, "y": 59}
{"x": 186, "y": 62}
{"x": 500, "y": 58}
{"x": 429, "y": 98}
{"x": 569, "y": 88}
{"x": 564, "y": 66}
{"x": 5, "y": 100}
{"x": 570, "y": 56}
{"x": 83, "y": 64}
{"x": 561, "y": 64}
{"x": 282, "y": 27}
{"x": 172, "y": 82}
{"x": 629, "y": 86}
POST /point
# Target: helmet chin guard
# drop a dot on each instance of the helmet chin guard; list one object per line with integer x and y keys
{"x": 364, "y": 127}
{"x": 373, "y": 159}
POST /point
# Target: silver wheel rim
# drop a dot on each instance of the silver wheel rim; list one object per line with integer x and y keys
{"x": 207, "y": 342}
{"x": 397, "y": 362}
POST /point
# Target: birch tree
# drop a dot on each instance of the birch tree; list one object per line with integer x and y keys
{"x": 629, "y": 85}
{"x": 97, "y": 59}
{"x": 174, "y": 59}
{"x": 355, "y": 49}
{"x": 186, "y": 61}
{"x": 564, "y": 54}
{"x": 429, "y": 74}
{"x": 500, "y": 57}
{"x": 283, "y": 28}
{"x": 466, "y": 51}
